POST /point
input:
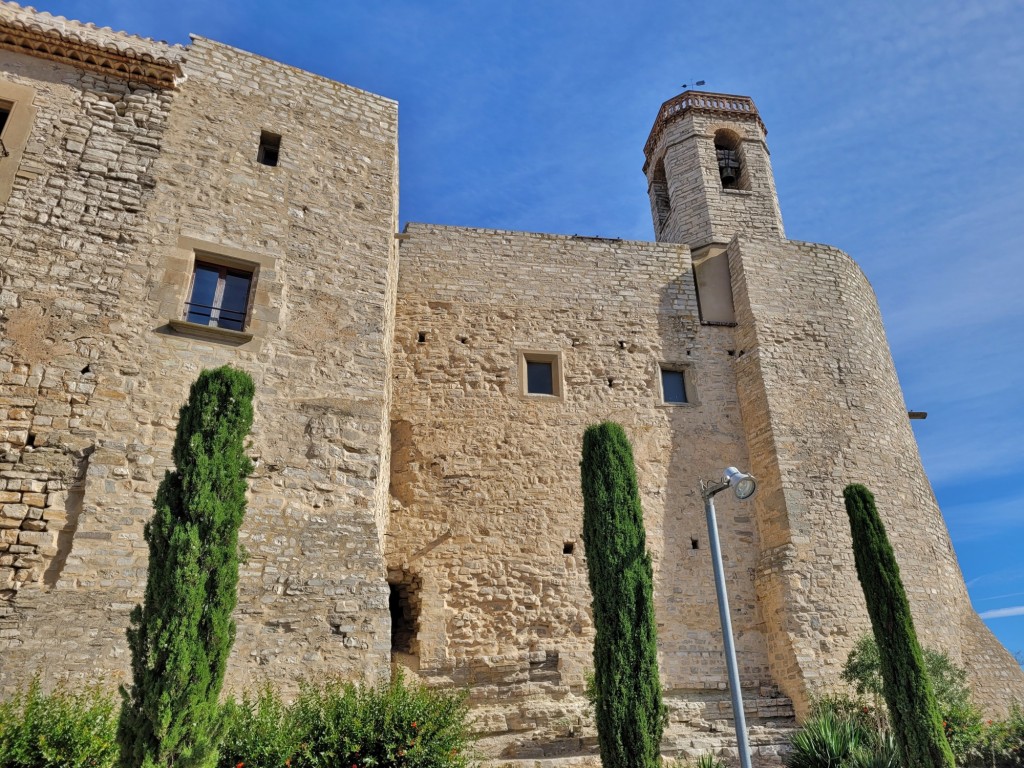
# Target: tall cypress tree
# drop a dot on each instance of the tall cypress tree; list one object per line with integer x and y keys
{"x": 628, "y": 706}
{"x": 180, "y": 637}
{"x": 915, "y": 717}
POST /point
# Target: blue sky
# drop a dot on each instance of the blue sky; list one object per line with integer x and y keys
{"x": 895, "y": 135}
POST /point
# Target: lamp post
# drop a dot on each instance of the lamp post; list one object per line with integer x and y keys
{"x": 743, "y": 486}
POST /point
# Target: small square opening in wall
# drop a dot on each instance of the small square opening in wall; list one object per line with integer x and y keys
{"x": 270, "y": 148}
{"x": 674, "y": 386}
{"x": 540, "y": 373}
{"x": 568, "y": 548}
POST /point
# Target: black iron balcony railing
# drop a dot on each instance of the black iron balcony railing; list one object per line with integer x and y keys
{"x": 219, "y": 317}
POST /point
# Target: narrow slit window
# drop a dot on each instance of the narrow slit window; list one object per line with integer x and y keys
{"x": 219, "y": 296}
{"x": 270, "y": 148}
{"x": 673, "y": 387}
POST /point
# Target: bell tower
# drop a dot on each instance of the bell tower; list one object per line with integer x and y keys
{"x": 709, "y": 175}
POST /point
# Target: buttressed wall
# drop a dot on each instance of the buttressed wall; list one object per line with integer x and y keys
{"x": 417, "y": 434}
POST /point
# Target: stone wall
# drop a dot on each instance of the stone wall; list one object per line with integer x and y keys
{"x": 120, "y": 187}
{"x": 485, "y": 478}
{"x": 822, "y": 408}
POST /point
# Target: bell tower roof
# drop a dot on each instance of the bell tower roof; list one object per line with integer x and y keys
{"x": 719, "y": 104}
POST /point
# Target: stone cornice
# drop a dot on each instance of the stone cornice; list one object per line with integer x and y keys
{"x": 85, "y": 46}
{"x": 720, "y": 104}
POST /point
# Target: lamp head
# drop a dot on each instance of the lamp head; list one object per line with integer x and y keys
{"x": 742, "y": 484}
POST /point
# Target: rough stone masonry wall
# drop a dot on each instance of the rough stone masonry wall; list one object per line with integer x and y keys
{"x": 823, "y": 408}
{"x": 96, "y": 251}
{"x": 485, "y": 480}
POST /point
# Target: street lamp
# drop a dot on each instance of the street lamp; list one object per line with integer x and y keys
{"x": 743, "y": 486}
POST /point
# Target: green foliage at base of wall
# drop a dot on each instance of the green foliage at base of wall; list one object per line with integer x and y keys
{"x": 394, "y": 725}
{"x": 915, "y": 718}
{"x": 61, "y": 729}
{"x": 961, "y": 719}
{"x": 332, "y": 725}
{"x": 628, "y": 707}
{"x": 181, "y": 635}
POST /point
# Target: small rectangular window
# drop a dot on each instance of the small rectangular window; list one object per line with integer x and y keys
{"x": 673, "y": 387}
{"x": 270, "y": 148}
{"x": 219, "y": 296}
{"x": 540, "y": 373}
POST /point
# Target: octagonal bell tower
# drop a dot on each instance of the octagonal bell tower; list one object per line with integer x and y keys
{"x": 708, "y": 171}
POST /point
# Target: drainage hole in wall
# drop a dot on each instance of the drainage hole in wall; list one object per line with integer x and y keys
{"x": 694, "y": 544}
{"x": 568, "y": 548}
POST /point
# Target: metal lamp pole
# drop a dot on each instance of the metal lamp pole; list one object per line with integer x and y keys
{"x": 744, "y": 486}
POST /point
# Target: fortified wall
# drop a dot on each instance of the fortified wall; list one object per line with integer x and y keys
{"x": 419, "y": 410}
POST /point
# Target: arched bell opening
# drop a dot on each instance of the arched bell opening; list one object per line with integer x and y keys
{"x": 729, "y": 153}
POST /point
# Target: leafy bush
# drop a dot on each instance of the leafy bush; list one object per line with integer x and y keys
{"x": 706, "y": 760}
{"x": 1001, "y": 744}
{"x": 827, "y": 740}
{"x": 62, "y": 729}
{"x": 396, "y": 724}
{"x": 961, "y": 719}
{"x": 260, "y": 731}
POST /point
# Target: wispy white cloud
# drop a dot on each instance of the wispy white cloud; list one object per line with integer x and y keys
{"x": 999, "y": 597}
{"x": 1001, "y": 613}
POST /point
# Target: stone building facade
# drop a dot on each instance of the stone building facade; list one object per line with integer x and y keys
{"x": 421, "y": 398}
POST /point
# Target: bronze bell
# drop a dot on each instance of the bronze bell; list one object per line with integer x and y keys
{"x": 728, "y": 167}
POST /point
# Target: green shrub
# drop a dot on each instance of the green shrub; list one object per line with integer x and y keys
{"x": 62, "y": 729}
{"x": 394, "y": 725}
{"x": 260, "y": 731}
{"x": 827, "y": 740}
{"x": 1001, "y": 744}
{"x": 882, "y": 752}
{"x": 706, "y": 760}
{"x": 961, "y": 719}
